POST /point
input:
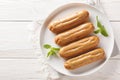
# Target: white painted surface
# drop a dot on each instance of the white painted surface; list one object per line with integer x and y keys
{"x": 15, "y": 35}
{"x": 28, "y": 69}
{"x": 18, "y": 57}
{"x": 29, "y": 9}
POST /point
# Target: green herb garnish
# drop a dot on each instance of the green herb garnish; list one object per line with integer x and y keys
{"x": 52, "y": 50}
{"x": 101, "y": 29}
{"x": 47, "y": 46}
{"x": 97, "y": 31}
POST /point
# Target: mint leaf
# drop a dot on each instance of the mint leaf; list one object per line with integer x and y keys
{"x": 47, "y": 46}
{"x": 56, "y": 49}
{"x": 104, "y": 32}
{"x": 49, "y": 53}
{"x": 52, "y": 50}
{"x": 98, "y": 23}
{"x": 101, "y": 28}
{"x": 97, "y": 31}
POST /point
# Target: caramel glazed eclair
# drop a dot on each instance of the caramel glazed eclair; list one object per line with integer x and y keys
{"x": 79, "y": 47}
{"x": 74, "y": 34}
{"x": 85, "y": 59}
{"x": 69, "y": 22}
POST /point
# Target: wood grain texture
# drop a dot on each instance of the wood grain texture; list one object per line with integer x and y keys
{"x": 28, "y": 69}
{"x": 115, "y": 27}
{"x": 32, "y": 9}
{"x": 111, "y": 8}
{"x": 16, "y": 40}
{"x": 18, "y": 57}
{"x": 15, "y": 35}
{"x": 19, "y": 54}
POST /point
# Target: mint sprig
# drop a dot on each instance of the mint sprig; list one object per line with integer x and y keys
{"x": 47, "y": 46}
{"x": 101, "y": 29}
{"x": 52, "y": 50}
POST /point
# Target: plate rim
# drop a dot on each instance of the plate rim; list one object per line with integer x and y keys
{"x": 55, "y": 10}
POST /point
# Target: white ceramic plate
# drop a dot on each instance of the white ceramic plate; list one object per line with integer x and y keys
{"x": 47, "y": 37}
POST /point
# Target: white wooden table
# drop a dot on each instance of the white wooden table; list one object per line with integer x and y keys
{"x": 18, "y": 60}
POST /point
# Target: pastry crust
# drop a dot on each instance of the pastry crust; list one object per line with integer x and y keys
{"x": 74, "y": 34}
{"x": 70, "y": 22}
{"x": 85, "y": 59}
{"x": 79, "y": 47}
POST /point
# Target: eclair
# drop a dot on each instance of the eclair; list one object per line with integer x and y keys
{"x": 84, "y": 59}
{"x": 79, "y": 47}
{"x": 74, "y": 34}
{"x": 69, "y": 22}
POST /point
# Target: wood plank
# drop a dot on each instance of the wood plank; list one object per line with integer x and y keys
{"x": 16, "y": 10}
{"x": 15, "y": 40}
{"x": 22, "y": 69}
{"x": 115, "y": 26}
{"x": 15, "y": 35}
{"x": 11, "y": 69}
{"x": 19, "y": 54}
{"x": 32, "y": 9}
{"x": 111, "y": 8}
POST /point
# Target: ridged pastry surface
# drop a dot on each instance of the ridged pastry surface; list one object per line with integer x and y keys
{"x": 79, "y": 47}
{"x": 69, "y": 22}
{"x": 85, "y": 59}
{"x": 74, "y": 34}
